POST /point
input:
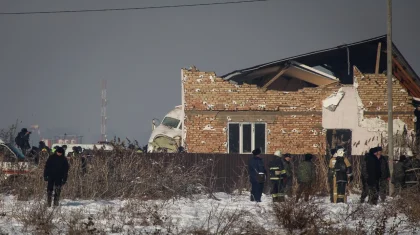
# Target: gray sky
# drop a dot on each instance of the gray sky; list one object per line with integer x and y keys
{"x": 51, "y": 65}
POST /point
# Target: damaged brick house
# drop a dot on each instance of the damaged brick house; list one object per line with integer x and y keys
{"x": 301, "y": 104}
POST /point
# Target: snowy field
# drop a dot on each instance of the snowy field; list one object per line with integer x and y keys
{"x": 224, "y": 216}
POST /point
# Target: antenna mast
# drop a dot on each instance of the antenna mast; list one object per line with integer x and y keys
{"x": 103, "y": 111}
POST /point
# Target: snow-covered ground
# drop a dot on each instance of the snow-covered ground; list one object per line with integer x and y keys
{"x": 178, "y": 216}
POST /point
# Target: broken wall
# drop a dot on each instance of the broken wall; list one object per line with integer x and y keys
{"x": 293, "y": 118}
{"x": 362, "y": 108}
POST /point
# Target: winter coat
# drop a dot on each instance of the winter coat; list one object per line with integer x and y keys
{"x": 399, "y": 171}
{"x": 276, "y": 165}
{"x": 363, "y": 167}
{"x": 342, "y": 168}
{"x": 56, "y": 168}
{"x": 385, "y": 173}
{"x": 306, "y": 172}
{"x": 373, "y": 166}
{"x": 255, "y": 166}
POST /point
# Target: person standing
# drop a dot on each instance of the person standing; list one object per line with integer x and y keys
{"x": 385, "y": 174}
{"x": 306, "y": 176}
{"x": 378, "y": 175}
{"x": 287, "y": 174}
{"x": 276, "y": 177}
{"x": 55, "y": 173}
{"x": 398, "y": 176}
{"x": 364, "y": 176}
{"x": 257, "y": 175}
{"x": 342, "y": 173}
{"x": 331, "y": 171}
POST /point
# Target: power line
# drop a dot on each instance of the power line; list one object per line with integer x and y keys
{"x": 130, "y": 8}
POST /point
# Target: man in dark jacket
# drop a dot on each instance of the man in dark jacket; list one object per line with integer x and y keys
{"x": 277, "y": 172}
{"x": 306, "y": 176}
{"x": 378, "y": 175}
{"x": 257, "y": 175}
{"x": 398, "y": 176}
{"x": 385, "y": 174}
{"x": 55, "y": 173}
{"x": 364, "y": 175}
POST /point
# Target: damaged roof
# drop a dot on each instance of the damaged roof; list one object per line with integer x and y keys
{"x": 339, "y": 61}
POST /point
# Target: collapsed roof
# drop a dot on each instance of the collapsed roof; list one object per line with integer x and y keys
{"x": 337, "y": 62}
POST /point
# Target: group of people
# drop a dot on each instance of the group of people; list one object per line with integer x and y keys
{"x": 375, "y": 176}
{"x": 281, "y": 176}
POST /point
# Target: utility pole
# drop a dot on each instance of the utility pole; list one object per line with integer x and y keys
{"x": 103, "y": 111}
{"x": 389, "y": 75}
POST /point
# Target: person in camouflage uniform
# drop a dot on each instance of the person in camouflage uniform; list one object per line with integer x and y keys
{"x": 398, "y": 176}
{"x": 306, "y": 176}
{"x": 277, "y": 172}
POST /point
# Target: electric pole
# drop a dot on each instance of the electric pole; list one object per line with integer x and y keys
{"x": 103, "y": 111}
{"x": 389, "y": 75}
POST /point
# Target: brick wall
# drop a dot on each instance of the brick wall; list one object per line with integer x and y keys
{"x": 372, "y": 89}
{"x": 294, "y": 119}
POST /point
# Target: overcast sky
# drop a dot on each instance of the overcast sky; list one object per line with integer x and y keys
{"x": 51, "y": 65}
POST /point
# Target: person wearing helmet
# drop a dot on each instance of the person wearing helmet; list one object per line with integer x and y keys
{"x": 55, "y": 173}
{"x": 277, "y": 172}
{"x": 341, "y": 176}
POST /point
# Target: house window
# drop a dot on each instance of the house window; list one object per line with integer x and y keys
{"x": 245, "y": 137}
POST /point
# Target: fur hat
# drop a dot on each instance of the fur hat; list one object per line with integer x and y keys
{"x": 287, "y": 155}
{"x": 256, "y": 151}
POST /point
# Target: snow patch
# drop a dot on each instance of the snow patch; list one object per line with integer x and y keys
{"x": 332, "y": 101}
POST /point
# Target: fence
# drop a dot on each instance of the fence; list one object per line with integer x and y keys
{"x": 230, "y": 171}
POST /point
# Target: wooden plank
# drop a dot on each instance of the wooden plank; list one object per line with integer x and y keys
{"x": 282, "y": 71}
{"x": 414, "y": 87}
{"x": 378, "y": 58}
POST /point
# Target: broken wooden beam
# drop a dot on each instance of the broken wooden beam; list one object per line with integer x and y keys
{"x": 378, "y": 58}
{"x": 282, "y": 71}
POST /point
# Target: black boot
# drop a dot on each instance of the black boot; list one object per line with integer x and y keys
{"x": 49, "y": 200}
{"x": 56, "y": 199}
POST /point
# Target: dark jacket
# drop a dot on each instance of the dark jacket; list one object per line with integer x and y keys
{"x": 364, "y": 173}
{"x": 385, "y": 173}
{"x": 276, "y": 165}
{"x": 56, "y": 168}
{"x": 255, "y": 166}
{"x": 377, "y": 169}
